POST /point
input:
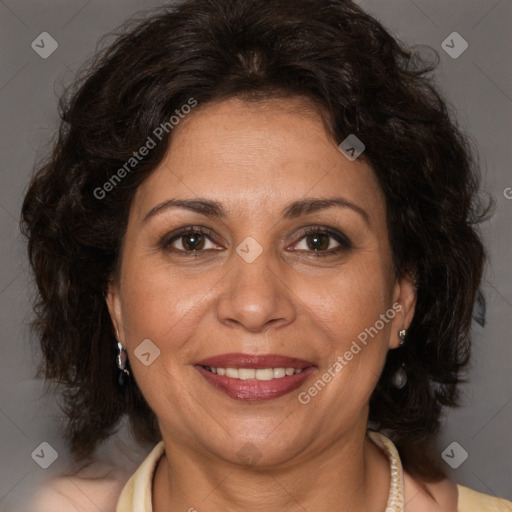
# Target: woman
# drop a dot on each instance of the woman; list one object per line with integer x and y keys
{"x": 255, "y": 238}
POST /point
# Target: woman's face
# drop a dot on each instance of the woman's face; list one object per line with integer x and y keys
{"x": 253, "y": 285}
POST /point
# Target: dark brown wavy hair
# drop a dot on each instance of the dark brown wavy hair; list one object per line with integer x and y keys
{"x": 366, "y": 82}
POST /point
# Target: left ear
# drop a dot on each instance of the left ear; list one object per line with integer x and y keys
{"x": 113, "y": 301}
{"x": 404, "y": 303}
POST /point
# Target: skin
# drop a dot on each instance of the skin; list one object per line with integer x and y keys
{"x": 255, "y": 159}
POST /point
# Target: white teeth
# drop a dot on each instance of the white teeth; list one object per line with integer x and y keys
{"x": 264, "y": 374}
{"x": 256, "y": 374}
{"x": 246, "y": 373}
{"x": 279, "y": 373}
{"x": 232, "y": 372}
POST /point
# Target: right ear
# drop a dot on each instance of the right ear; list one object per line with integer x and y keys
{"x": 113, "y": 299}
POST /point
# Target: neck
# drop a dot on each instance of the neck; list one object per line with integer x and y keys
{"x": 350, "y": 474}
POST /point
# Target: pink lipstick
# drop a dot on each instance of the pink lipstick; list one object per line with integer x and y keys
{"x": 255, "y": 377}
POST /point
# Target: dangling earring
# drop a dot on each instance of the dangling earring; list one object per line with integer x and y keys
{"x": 121, "y": 359}
{"x": 399, "y": 379}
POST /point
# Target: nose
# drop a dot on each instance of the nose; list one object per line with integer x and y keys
{"x": 255, "y": 296}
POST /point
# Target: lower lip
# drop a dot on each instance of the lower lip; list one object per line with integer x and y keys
{"x": 255, "y": 390}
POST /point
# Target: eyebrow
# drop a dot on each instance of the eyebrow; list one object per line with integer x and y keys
{"x": 211, "y": 208}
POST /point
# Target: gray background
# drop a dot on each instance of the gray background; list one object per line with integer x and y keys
{"x": 477, "y": 84}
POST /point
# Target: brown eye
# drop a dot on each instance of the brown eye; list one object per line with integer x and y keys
{"x": 189, "y": 241}
{"x": 193, "y": 241}
{"x": 318, "y": 241}
{"x": 322, "y": 241}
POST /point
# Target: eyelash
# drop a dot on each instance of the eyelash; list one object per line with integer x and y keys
{"x": 344, "y": 243}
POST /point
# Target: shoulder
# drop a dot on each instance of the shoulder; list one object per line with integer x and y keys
{"x": 96, "y": 485}
{"x": 441, "y": 496}
{"x": 470, "y": 500}
{"x": 447, "y": 496}
{"x": 79, "y": 493}
{"x": 99, "y": 485}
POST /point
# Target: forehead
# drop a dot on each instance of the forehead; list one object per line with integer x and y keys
{"x": 254, "y": 155}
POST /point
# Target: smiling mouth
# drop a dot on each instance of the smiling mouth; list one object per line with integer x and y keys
{"x": 255, "y": 377}
{"x": 262, "y": 374}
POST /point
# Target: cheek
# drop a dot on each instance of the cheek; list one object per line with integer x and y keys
{"x": 164, "y": 308}
{"x": 354, "y": 313}
{"x": 348, "y": 301}
{"x": 158, "y": 303}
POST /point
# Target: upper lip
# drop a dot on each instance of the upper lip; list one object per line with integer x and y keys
{"x": 237, "y": 360}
